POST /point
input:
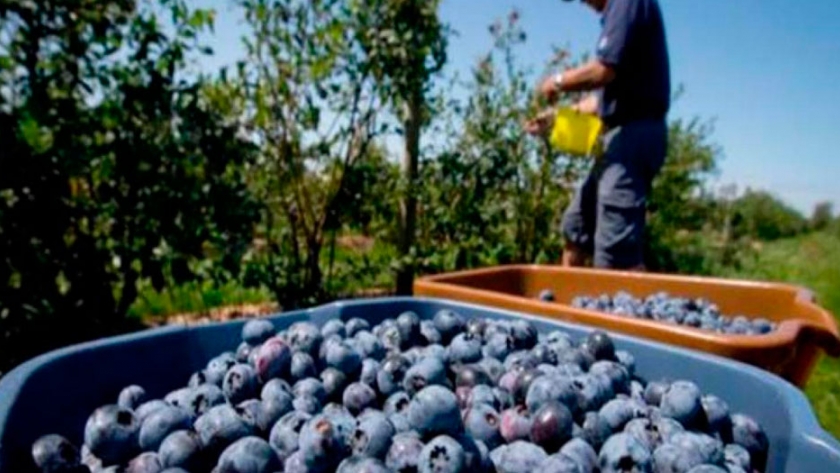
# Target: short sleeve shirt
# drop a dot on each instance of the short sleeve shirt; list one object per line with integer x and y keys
{"x": 633, "y": 42}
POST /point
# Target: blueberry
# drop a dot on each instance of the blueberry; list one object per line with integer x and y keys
{"x": 55, "y": 454}
{"x": 498, "y": 346}
{"x": 310, "y": 387}
{"x": 647, "y": 432}
{"x": 276, "y": 388}
{"x": 520, "y": 359}
{"x": 717, "y": 414}
{"x": 577, "y": 356}
{"x": 131, "y": 397}
{"x": 370, "y": 368}
{"x": 204, "y": 397}
{"x": 482, "y": 423}
{"x": 243, "y": 352}
{"x": 256, "y": 331}
{"x": 476, "y": 327}
{"x": 430, "y": 334}
{"x": 272, "y": 359}
{"x": 618, "y": 412}
{"x": 307, "y": 403}
{"x": 682, "y": 402}
{"x": 582, "y": 453}
{"x": 397, "y": 402}
{"x": 147, "y": 462}
{"x": 593, "y": 391}
{"x": 618, "y": 375}
{"x": 434, "y": 411}
{"x": 321, "y": 443}
{"x": 302, "y": 366}
{"x": 240, "y": 383}
{"x": 443, "y": 454}
{"x": 390, "y": 377}
{"x": 404, "y": 453}
{"x": 334, "y": 382}
{"x": 221, "y": 426}
{"x": 372, "y": 436}
{"x": 551, "y": 426}
{"x": 179, "y": 397}
{"x": 517, "y": 457}
{"x": 707, "y": 469}
{"x": 464, "y": 348}
{"x": 342, "y": 420}
{"x": 369, "y": 346}
{"x": 623, "y": 453}
{"x": 358, "y": 397}
{"x": 654, "y": 392}
{"x": 296, "y": 463}
{"x": 747, "y": 433}
{"x": 595, "y": 430}
{"x": 470, "y": 375}
{"x": 523, "y": 383}
{"x": 545, "y": 389}
{"x": 546, "y": 295}
{"x": 391, "y": 338}
{"x": 143, "y": 410}
{"x": 449, "y": 324}
{"x": 524, "y": 334}
{"x": 481, "y": 394}
{"x": 408, "y": 324}
{"x": 218, "y": 366}
{"x": 284, "y": 434}
{"x": 249, "y": 455}
{"x": 600, "y": 346}
{"x": 111, "y": 433}
{"x": 426, "y": 372}
{"x": 559, "y": 463}
{"x": 181, "y": 448}
{"x": 304, "y": 337}
{"x": 515, "y": 424}
{"x": 493, "y": 368}
{"x": 359, "y": 464}
{"x": 333, "y": 327}
{"x": 435, "y": 350}
{"x": 400, "y": 422}
{"x": 161, "y": 423}
{"x": 355, "y": 325}
{"x": 737, "y": 455}
{"x": 344, "y": 358}
{"x": 672, "y": 458}
{"x": 710, "y": 449}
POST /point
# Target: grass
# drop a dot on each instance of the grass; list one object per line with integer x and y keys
{"x": 194, "y": 297}
{"x": 814, "y": 262}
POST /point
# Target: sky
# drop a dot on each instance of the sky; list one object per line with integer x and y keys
{"x": 767, "y": 72}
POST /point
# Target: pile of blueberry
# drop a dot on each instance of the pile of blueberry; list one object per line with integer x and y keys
{"x": 409, "y": 395}
{"x": 697, "y": 313}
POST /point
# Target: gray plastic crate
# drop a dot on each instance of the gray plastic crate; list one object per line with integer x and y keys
{"x": 55, "y": 392}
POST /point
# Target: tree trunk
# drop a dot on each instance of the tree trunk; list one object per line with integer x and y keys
{"x": 408, "y": 207}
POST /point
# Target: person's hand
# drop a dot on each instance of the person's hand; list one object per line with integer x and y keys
{"x": 548, "y": 88}
{"x": 540, "y": 124}
{"x": 587, "y": 105}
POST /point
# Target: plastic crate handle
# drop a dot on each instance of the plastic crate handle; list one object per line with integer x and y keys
{"x": 826, "y": 338}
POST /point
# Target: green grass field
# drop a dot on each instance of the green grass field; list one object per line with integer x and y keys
{"x": 814, "y": 262}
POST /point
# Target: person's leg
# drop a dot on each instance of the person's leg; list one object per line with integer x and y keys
{"x": 578, "y": 225}
{"x": 634, "y": 156}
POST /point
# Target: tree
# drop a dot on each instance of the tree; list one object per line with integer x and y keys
{"x": 305, "y": 96}
{"x": 113, "y": 168}
{"x": 822, "y": 216}
{"x": 405, "y": 44}
{"x": 761, "y": 215}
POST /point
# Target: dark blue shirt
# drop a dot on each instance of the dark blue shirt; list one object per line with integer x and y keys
{"x": 633, "y": 43}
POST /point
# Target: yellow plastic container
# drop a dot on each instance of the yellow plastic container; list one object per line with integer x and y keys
{"x": 576, "y": 133}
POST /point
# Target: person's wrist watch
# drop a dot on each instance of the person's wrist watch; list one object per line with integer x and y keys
{"x": 558, "y": 82}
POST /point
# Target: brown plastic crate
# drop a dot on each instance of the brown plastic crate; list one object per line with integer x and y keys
{"x": 805, "y": 330}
